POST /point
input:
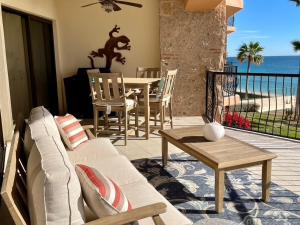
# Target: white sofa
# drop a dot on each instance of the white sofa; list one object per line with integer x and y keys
{"x": 102, "y": 155}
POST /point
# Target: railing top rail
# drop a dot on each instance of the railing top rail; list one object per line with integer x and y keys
{"x": 256, "y": 74}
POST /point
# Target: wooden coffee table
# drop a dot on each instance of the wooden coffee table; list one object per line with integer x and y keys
{"x": 225, "y": 155}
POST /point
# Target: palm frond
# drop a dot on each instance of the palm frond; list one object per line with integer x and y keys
{"x": 296, "y": 45}
{"x": 251, "y": 52}
{"x": 296, "y": 1}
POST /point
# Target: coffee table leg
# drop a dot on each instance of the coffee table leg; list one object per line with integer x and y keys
{"x": 266, "y": 180}
{"x": 219, "y": 190}
{"x": 164, "y": 151}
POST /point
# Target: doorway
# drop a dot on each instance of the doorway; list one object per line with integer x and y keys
{"x": 31, "y": 62}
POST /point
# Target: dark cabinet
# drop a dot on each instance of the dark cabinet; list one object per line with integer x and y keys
{"x": 78, "y": 94}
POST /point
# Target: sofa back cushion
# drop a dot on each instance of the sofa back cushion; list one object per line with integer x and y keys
{"x": 53, "y": 188}
{"x": 40, "y": 124}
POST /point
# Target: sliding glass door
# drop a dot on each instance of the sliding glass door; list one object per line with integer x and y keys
{"x": 17, "y": 63}
{"x": 30, "y": 60}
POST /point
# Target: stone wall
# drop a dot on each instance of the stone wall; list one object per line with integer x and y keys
{"x": 193, "y": 43}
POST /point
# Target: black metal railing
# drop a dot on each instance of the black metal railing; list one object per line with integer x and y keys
{"x": 231, "y": 21}
{"x": 260, "y": 102}
{"x": 229, "y": 68}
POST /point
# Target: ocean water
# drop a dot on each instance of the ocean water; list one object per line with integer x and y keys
{"x": 273, "y": 85}
{"x": 272, "y": 64}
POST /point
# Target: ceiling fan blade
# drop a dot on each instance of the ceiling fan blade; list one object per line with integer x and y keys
{"x": 99, "y": 2}
{"x": 116, "y": 7}
{"x": 129, "y": 3}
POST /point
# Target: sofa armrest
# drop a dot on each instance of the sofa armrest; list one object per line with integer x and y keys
{"x": 88, "y": 131}
{"x": 134, "y": 215}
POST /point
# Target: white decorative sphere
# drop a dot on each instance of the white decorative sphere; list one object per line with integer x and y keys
{"x": 213, "y": 131}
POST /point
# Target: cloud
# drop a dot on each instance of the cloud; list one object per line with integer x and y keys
{"x": 249, "y": 31}
{"x": 256, "y": 37}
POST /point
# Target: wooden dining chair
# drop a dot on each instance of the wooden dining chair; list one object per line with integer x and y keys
{"x": 108, "y": 95}
{"x": 162, "y": 100}
{"x": 143, "y": 72}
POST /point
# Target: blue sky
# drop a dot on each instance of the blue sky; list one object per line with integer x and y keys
{"x": 274, "y": 23}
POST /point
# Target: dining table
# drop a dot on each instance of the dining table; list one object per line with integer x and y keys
{"x": 144, "y": 84}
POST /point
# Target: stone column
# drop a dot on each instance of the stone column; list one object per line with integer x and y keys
{"x": 193, "y": 43}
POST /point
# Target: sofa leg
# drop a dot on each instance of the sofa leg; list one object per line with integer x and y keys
{"x": 162, "y": 118}
{"x": 171, "y": 114}
{"x": 136, "y": 121}
{"x": 119, "y": 120}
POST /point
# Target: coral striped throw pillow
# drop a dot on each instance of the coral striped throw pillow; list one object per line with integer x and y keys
{"x": 71, "y": 131}
{"x": 102, "y": 195}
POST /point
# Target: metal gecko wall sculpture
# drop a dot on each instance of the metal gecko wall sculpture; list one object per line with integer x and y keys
{"x": 109, "y": 49}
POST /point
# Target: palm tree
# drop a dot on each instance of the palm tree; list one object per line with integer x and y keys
{"x": 296, "y": 1}
{"x": 296, "y": 45}
{"x": 251, "y": 54}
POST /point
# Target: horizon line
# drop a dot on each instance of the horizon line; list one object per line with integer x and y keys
{"x": 269, "y": 56}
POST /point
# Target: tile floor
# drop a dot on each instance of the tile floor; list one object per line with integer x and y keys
{"x": 286, "y": 168}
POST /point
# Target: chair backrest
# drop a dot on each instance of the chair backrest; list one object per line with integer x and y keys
{"x": 168, "y": 83}
{"x": 14, "y": 191}
{"x": 107, "y": 88}
{"x": 142, "y": 72}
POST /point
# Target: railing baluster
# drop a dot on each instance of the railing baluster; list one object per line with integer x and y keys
{"x": 262, "y": 103}
{"x": 275, "y": 105}
{"x": 283, "y": 108}
{"x": 241, "y": 106}
{"x": 269, "y": 101}
{"x": 254, "y": 106}
{"x": 291, "y": 111}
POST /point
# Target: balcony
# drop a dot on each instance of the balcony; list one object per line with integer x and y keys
{"x": 230, "y": 25}
{"x": 201, "y": 6}
{"x": 267, "y": 103}
{"x": 233, "y": 6}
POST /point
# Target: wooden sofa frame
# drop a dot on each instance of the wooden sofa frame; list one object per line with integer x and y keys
{"x": 14, "y": 193}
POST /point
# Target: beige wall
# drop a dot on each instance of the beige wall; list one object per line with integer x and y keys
{"x": 42, "y": 8}
{"x": 82, "y": 30}
{"x": 79, "y": 30}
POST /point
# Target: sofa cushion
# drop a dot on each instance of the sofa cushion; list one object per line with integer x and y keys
{"x": 116, "y": 167}
{"x": 53, "y": 188}
{"x": 71, "y": 131}
{"x": 103, "y": 196}
{"x": 150, "y": 196}
{"x": 42, "y": 123}
{"x": 92, "y": 151}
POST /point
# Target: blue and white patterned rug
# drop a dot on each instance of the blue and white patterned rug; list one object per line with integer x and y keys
{"x": 189, "y": 185}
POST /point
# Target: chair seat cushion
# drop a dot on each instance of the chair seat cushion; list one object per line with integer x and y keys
{"x": 71, "y": 131}
{"x": 103, "y": 195}
{"x": 156, "y": 99}
{"x": 130, "y": 103}
{"x": 142, "y": 194}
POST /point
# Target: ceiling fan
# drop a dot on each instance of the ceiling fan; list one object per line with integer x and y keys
{"x": 112, "y": 5}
